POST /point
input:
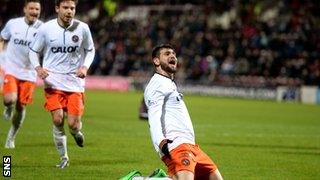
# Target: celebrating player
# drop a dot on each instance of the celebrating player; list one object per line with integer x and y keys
{"x": 170, "y": 124}
{"x": 20, "y": 76}
{"x": 68, "y": 50}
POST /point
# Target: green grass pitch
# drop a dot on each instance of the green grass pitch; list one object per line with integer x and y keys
{"x": 247, "y": 139}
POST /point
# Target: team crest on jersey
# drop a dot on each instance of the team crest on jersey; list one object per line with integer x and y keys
{"x": 185, "y": 162}
{"x": 75, "y": 38}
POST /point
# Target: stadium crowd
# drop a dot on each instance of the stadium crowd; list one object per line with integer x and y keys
{"x": 239, "y": 43}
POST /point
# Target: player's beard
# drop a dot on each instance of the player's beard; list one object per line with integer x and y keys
{"x": 169, "y": 68}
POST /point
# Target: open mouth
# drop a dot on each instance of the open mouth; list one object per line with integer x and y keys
{"x": 173, "y": 62}
{"x": 34, "y": 15}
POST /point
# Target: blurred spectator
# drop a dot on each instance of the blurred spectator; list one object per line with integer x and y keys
{"x": 243, "y": 43}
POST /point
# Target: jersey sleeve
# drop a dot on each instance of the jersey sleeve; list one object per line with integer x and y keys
{"x": 88, "y": 41}
{"x": 5, "y": 33}
{"x": 154, "y": 101}
{"x": 38, "y": 44}
{"x": 88, "y": 47}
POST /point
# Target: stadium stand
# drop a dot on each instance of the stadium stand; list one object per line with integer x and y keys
{"x": 231, "y": 43}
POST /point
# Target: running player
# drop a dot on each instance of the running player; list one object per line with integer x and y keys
{"x": 170, "y": 124}
{"x": 20, "y": 76}
{"x": 68, "y": 50}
